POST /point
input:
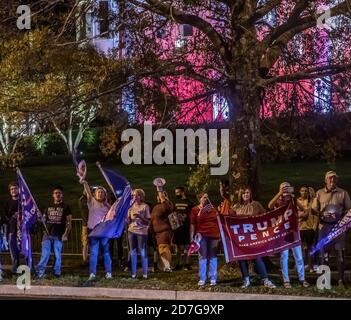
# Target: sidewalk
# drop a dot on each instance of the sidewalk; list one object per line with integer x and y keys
{"x": 142, "y": 294}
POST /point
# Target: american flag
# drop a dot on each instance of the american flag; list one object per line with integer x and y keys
{"x": 207, "y": 208}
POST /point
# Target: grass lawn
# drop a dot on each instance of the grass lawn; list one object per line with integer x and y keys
{"x": 41, "y": 179}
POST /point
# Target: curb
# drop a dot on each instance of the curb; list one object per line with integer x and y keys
{"x": 142, "y": 294}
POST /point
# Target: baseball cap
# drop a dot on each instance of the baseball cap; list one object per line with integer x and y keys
{"x": 330, "y": 174}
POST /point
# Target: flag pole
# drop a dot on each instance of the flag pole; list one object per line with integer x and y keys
{"x": 30, "y": 257}
{"x": 106, "y": 178}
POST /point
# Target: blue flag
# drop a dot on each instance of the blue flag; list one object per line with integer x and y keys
{"x": 338, "y": 229}
{"x": 112, "y": 226}
{"x": 115, "y": 181}
{"x": 29, "y": 213}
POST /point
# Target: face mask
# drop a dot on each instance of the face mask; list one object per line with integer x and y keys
{"x": 178, "y": 196}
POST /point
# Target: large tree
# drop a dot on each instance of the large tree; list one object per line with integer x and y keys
{"x": 249, "y": 52}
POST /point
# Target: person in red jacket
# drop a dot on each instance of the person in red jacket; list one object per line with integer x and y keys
{"x": 204, "y": 222}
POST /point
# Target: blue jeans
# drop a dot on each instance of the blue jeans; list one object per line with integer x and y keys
{"x": 138, "y": 241}
{"x": 208, "y": 255}
{"x": 0, "y": 252}
{"x": 299, "y": 263}
{"x": 14, "y": 251}
{"x": 260, "y": 267}
{"x": 46, "y": 245}
{"x": 94, "y": 244}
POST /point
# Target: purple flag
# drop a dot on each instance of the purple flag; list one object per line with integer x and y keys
{"x": 342, "y": 226}
{"x": 29, "y": 213}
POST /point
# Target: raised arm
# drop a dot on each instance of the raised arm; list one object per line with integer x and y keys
{"x": 272, "y": 203}
{"x": 87, "y": 190}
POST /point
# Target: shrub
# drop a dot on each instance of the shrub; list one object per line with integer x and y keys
{"x": 27, "y": 146}
{"x": 12, "y": 160}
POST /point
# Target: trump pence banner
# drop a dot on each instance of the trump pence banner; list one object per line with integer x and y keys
{"x": 258, "y": 236}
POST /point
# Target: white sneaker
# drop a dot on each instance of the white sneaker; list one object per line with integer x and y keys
{"x": 246, "y": 283}
{"x": 213, "y": 283}
{"x": 133, "y": 276}
{"x": 144, "y": 276}
{"x": 201, "y": 283}
{"x": 269, "y": 284}
{"x": 108, "y": 275}
{"x": 92, "y": 276}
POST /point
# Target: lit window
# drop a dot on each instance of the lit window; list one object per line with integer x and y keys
{"x": 322, "y": 95}
{"x": 180, "y": 42}
{"x": 220, "y": 108}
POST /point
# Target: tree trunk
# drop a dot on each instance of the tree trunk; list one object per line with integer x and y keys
{"x": 70, "y": 140}
{"x": 5, "y": 136}
{"x": 244, "y": 138}
{"x": 79, "y": 137}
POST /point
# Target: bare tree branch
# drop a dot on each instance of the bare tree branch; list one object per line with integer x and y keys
{"x": 172, "y": 13}
{"x": 261, "y": 12}
{"x": 277, "y": 40}
{"x": 311, "y": 73}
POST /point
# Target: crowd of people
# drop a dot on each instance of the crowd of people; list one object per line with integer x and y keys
{"x": 148, "y": 228}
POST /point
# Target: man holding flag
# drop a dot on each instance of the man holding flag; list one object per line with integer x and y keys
{"x": 28, "y": 215}
{"x": 328, "y": 199}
